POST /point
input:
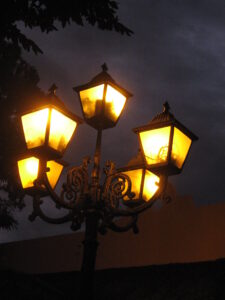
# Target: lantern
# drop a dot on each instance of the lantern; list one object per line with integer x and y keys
{"x": 102, "y": 100}
{"x": 29, "y": 170}
{"x": 165, "y": 143}
{"x": 144, "y": 183}
{"x": 48, "y": 129}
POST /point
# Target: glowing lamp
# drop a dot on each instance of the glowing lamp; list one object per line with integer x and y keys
{"x": 49, "y": 129}
{"x": 165, "y": 143}
{"x": 102, "y": 100}
{"x": 29, "y": 170}
{"x": 144, "y": 183}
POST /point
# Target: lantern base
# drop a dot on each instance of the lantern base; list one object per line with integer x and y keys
{"x": 133, "y": 203}
{"x": 45, "y": 152}
{"x": 168, "y": 169}
{"x": 33, "y": 191}
{"x": 100, "y": 122}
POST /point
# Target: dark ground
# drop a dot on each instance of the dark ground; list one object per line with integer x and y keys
{"x": 205, "y": 281}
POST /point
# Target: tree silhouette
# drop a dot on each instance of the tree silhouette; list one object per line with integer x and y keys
{"x": 18, "y": 87}
{"x": 45, "y": 13}
{"x": 19, "y": 80}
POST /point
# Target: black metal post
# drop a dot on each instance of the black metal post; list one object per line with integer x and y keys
{"x": 90, "y": 242}
{"x": 97, "y": 157}
{"x": 89, "y": 256}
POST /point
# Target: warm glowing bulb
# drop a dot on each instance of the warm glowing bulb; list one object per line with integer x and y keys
{"x": 28, "y": 170}
{"x": 180, "y": 148}
{"x": 135, "y": 177}
{"x": 115, "y": 101}
{"x": 155, "y": 144}
{"x": 151, "y": 185}
{"x": 55, "y": 170}
{"x": 90, "y": 99}
{"x": 32, "y": 166}
{"x": 61, "y": 130}
{"x": 34, "y": 126}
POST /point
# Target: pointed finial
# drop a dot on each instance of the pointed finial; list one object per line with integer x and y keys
{"x": 52, "y": 89}
{"x": 104, "y": 67}
{"x": 166, "y": 107}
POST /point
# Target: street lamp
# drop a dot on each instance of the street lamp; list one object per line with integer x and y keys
{"x": 123, "y": 193}
{"x": 29, "y": 170}
{"x": 165, "y": 143}
{"x": 144, "y": 184}
{"x": 49, "y": 128}
{"x": 102, "y": 100}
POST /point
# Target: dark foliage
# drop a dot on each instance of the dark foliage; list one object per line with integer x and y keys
{"x": 45, "y": 14}
{"x": 18, "y": 87}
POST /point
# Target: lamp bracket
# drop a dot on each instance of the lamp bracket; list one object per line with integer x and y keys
{"x": 112, "y": 199}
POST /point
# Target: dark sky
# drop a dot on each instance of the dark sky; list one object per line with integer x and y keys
{"x": 177, "y": 53}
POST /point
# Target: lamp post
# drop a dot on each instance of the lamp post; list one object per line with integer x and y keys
{"x": 123, "y": 193}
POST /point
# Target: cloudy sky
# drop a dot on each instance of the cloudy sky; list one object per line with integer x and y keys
{"x": 177, "y": 53}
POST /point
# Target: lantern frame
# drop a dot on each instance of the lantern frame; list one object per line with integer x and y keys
{"x": 38, "y": 188}
{"x": 162, "y": 120}
{"x": 100, "y": 121}
{"x": 137, "y": 163}
{"x": 52, "y": 102}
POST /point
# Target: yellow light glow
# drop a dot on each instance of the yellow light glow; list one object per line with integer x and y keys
{"x": 180, "y": 148}
{"x": 54, "y": 173}
{"x": 155, "y": 144}
{"x": 91, "y": 100}
{"x": 34, "y": 127}
{"x": 61, "y": 130}
{"x": 135, "y": 177}
{"x": 28, "y": 170}
{"x": 150, "y": 185}
{"x": 114, "y": 103}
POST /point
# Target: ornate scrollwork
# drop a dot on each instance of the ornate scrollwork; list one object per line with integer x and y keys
{"x": 115, "y": 200}
{"x": 38, "y": 212}
{"x": 74, "y": 189}
{"x": 117, "y": 186}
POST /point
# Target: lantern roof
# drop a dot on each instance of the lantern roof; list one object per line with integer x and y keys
{"x": 165, "y": 118}
{"x": 51, "y": 99}
{"x": 101, "y": 78}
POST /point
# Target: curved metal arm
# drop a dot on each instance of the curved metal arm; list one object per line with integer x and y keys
{"x": 37, "y": 212}
{"x": 112, "y": 224}
{"x": 114, "y": 200}
{"x": 118, "y": 187}
{"x": 75, "y": 189}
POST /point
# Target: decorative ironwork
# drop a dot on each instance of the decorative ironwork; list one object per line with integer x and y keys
{"x": 112, "y": 201}
{"x": 117, "y": 186}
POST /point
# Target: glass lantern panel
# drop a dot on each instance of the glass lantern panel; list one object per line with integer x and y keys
{"x": 91, "y": 100}
{"x": 34, "y": 127}
{"x": 180, "y": 148}
{"x": 135, "y": 177}
{"x": 54, "y": 173}
{"x": 114, "y": 103}
{"x": 155, "y": 144}
{"x": 150, "y": 185}
{"x": 61, "y": 130}
{"x": 28, "y": 171}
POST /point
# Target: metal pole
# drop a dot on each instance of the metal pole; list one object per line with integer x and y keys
{"x": 90, "y": 243}
{"x": 89, "y": 256}
{"x": 97, "y": 157}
